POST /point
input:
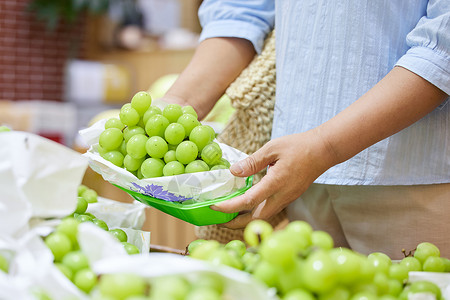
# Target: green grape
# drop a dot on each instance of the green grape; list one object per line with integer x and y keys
{"x": 209, "y": 280}
{"x": 156, "y": 147}
{"x": 288, "y": 277}
{"x": 300, "y": 234}
{"x": 257, "y": 231}
{"x": 128, "y": 115}
{"x": 319, "y": 272}
{"x": 123, "y": 148}
{"x": 380, "y": 261}
{"x": 364, "y": 296}
{"x": 114, "y": 123}
{"x": 65, "y": 270}
{"x": 425, "y": 250}
{"x": 398, "y": 271}
{"x": 225, "y": 162}
{"x": 192, "y": 245}
{"x": 4, "y": 264}
{"x": 130, "y": 248}
{"x": 170, "y": 156}
{"x": 59, "y": 244}
{"x": 298, "y": 294}
{"x": 128, "y": 132}
{"x": 90, "y": 196}
{"x": 348, "y": 265}
{"x": 85, "y": 280}
{"x": 83, "y": 218}
{"x": 434, "y": 264}
{"x": 115, "y": 157}
{"x": 189, "y": 110}
{"x": 188, "y": 122}
{"x": 173, "y": 147}
{"x": 203, "y": 294}
{"x": 411, "y": 264}
{"x": 172, "y": 112}
{"x": 121, "y": 286}
{"x": 69, "y": 227}
{"x": 196, "y": 166}
{"x": 139, "y": 174}
{"x": 224, "y": 257}
{"x": 75, "y": 261}
{"x": 381, "y": 281}
{"x": 201, "y": 136}
{"x": 136, "y": 146}
{"x": 387, "y": 297}
{"x": 266, "y": 273}
{"x": 204, "y": 250}
{"x": 173, "y": 168}
{"x": 141, "y": 101}
{"x": 174, "y": 133}
{"x": 211, "y": 154}
{"x": 186, "y": 152}
{"x": 110, "y": 139}
{"x": 170, "y": 287}
{"x": 395, "y": 287}
{"x": 278, "y": 250}
{"x": 423, "y": 286}
{"x": 132, "y": 164}
{"x": 119, "y": 234}
{"x": 322, "y": 240}
{"x": 152, "y": 167}
{"x": 250, "y": 261}
{"x": 81, "y": 205}
{"x": 367, "y": 269}
{"x": 100, "y": 223}
{"x": 4, "y": 129}
{"x": 151, "y": 111}
{"x": 218, "y": 167}
{"x": 338, "y": 293}
{"x": 101, "y": 150}
{"x": 156, "y": 125}
{"x": 81, "y": 189}
{"x": 362, "y": 287}
{"x": 237, "y": 246}
{"x": 447, "y": 264}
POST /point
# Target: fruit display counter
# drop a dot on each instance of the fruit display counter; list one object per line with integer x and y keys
{"x": 60, "y": 240}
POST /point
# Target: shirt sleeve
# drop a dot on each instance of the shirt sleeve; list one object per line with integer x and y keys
{"x": 249, "y": 19}
{"x": 429, "y": 55}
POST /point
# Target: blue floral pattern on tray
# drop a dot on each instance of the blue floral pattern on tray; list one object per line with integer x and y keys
{"x": 158, "y": 192}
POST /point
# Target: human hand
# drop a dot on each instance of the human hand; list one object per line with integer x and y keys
{"x": 294, "y": 161}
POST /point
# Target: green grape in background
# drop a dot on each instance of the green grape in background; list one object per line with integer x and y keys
{"x": 151, "y": 111}
{"x": 189, "y": 110}
{"x": 85, "y": 280}
{"x": 434, "y": 264}
{"x": 81, "y": 189}
{"x": 119, "y": 234}
{"x": 189, "y": 122}
{"x": 81, "y": 205}
{"x": 100, "y": 223}
{"x": 152, "y": 167}
{"x": 4, "y": 264}
{"x": 141, "y": 101}
{"x": 4, "y": 129}
{"x": 322, "y": 240}
{"x": 65, "y": 270}
{"x": 425, "y": 250}
{"x": 75, "y": 261}
{"x": 380, "y": 261}
{"x": 130, "y": 248}
{"x": 211, "y": 154}
{"x": 132, "y": 164}
{"x": 170, "y": 287}
{"x": 59, "y": 244}
{"x": 411, "y": 263}
{"x": 90, "y": 196}
{"x": 121, "y": 286}
{"x": 256, "y": 232}
{"x": 173, "y": 168}
{"x": 69, "y": 227}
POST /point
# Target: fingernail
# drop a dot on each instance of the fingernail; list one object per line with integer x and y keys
{"x": 214, "y": 207}
{"x": 237, "y": 168}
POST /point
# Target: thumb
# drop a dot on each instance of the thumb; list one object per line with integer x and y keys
{"x": 253, "y": 163}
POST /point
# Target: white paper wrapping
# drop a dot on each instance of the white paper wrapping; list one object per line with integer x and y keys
{"x": 196, "y": 186}
{"x": 442, "y": 280}
{"x": 38, "y": 178}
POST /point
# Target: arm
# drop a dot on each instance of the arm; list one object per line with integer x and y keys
{"x": 397, "y": 101}
{"x": 215, "y": 64}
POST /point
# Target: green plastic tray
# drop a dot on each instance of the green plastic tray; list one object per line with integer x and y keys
{"x": 195, "y": 213}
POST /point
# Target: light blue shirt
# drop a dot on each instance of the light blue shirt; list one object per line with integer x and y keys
{"x": 329, "y": 53}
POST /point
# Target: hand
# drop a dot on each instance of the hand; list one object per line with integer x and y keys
{"x": 294, "y": 161}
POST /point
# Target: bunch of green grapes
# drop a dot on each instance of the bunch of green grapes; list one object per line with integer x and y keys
{"x": 201, "y": 286}
{"x": 63, "y": 243}
{"x": 302, "y": 263}
{"x": 150, "y": 142}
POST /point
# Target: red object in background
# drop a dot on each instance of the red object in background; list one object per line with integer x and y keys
{"x": 54, "y": 136}
{"x": 32, "y": 59}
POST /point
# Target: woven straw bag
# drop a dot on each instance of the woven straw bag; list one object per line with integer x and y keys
{"x": 252, "y": 94}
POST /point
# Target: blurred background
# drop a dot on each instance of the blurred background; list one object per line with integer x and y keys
{"x": 66, "y": 63}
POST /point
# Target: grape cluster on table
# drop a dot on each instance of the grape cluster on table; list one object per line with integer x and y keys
{"x": 303, "y": 264}
{"x": 150, "y": 142}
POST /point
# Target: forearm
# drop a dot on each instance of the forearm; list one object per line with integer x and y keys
{"x": 216, "y": 63}
{"x": 397, "y": 101}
